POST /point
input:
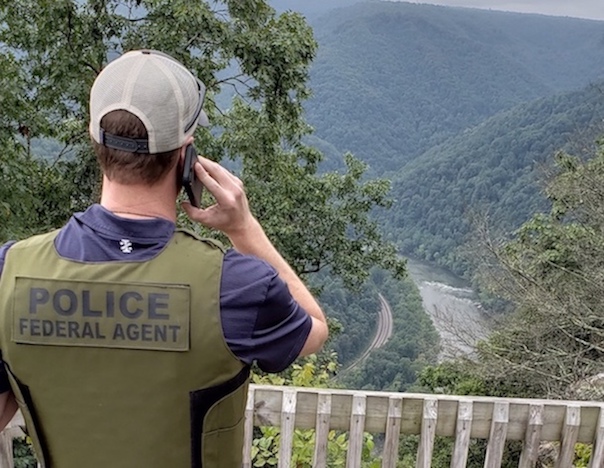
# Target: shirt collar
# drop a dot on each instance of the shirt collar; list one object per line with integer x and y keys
{"x": 111, "y": 225}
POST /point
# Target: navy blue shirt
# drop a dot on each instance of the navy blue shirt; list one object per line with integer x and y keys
{"x": 261, "y": 321}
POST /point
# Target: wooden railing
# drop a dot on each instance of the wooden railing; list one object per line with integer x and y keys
{"x": 428, "y": 416}
{"x": 12, "y": 431}
{"x": 496, "y": 420}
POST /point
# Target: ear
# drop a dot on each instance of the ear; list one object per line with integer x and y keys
{"x": 183, "y": 150}
{"x": 189, "y": 141}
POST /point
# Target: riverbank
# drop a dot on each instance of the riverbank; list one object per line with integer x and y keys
{"x": 452, "y": 306}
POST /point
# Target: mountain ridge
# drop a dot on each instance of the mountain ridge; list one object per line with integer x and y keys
{"x": 416, "y": 90}
{"x": 493, "y": 169}
{"x": 429, "y": 72}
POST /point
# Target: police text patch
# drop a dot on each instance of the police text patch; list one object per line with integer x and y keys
{"x": 111, "y": 315}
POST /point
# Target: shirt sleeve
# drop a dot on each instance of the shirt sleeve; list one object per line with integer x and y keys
{"x": 4, "y": 382}
{"x": 3, "y": 249}
{"x": 261, "y": 321}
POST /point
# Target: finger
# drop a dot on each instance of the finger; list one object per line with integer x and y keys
{"x": 219, "y": 173}
{"x": 209, "y": 182}
{"x": 226, "y": 189}
{"x": 195, "y": 214}
{"x": 189, "y": 209}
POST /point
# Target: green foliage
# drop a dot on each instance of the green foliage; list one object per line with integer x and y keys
{"x": 582, "y": 455}
{"x": 312, "y": 371}
{"x": 52, "y": 51}
{"x": 34, "y": 195}
{"x": 394, "y": 79}
{"x": 23, "y": 453}
{"x": 552, "y": 345}
{"x": 266, "y": 448}
{"x": 414, "y": 342}
{"x": 451, "y": 378}
{"x": 325, "y": 210}
{"x": 489, "y": 172}
{"x": 355, "y": 311}
{"x": 411, "y": 88}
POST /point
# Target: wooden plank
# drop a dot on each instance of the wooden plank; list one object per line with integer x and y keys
{"x": 428, "y": 433}
{"x": 288, "y": 421}
{"x": 462, "y": 434}
{"x": 357, "y": 428}
{"x": 497, "y": 438}
{"x": 248, "y": 429}
{"x": 530, "y": 449}
{"x": 268, "y": 413}
{"x": 570, "y": 433}
{"x": 597, "y": 453}
{"x": 11, "y": 431}
{"x": 6, "y": 447}
{"x": 393, "y": 431}
{"x": 322, "y": 429}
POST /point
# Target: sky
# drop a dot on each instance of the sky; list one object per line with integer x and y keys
{"x": 591, "y": 9}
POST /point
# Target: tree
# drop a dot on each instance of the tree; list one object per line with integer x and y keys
{"x": 56, "y": 48}
{"x": 52, "y": 50}
{"x": 553, "y": 272}
{"x": 551, "y": 343}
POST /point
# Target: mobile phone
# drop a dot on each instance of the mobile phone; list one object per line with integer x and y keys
{"x": 192, "y": 185}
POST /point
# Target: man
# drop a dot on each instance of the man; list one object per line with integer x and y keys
{"x": 127, "y": 342}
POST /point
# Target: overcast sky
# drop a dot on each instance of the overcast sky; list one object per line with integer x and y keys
{"x": 593, "y": 9}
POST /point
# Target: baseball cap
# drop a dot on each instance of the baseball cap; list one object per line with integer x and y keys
{"x": 159, "y": 90}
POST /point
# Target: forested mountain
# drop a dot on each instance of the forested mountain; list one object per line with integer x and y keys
{"x": 463, "y": 110}
{"x": 393, "y": 79}
{"x": 311, "y": 8}
{"x": 491, "y": 169}
{"x": 459, "y": 107}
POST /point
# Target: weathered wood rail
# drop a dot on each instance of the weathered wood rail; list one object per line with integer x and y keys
{"x": 461, "y": 418}
{"x": 428, "y": 416}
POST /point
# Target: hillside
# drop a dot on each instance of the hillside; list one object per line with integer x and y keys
{"x": 493, "y": 169}
{"x": 392, "y": 80}
{"x": 312, "y": 9}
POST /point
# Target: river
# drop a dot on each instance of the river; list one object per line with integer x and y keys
{"x": 451, "y": 304}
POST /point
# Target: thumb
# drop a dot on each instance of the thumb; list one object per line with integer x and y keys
{"x": 194, "y": 214}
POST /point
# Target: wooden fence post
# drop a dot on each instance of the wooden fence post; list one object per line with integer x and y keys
{"x": 497, "y": 438}
{"x": 393, "y": 432}
{"x": 357, "y": 429}
{"x": 288, "y": 423}
{"x": 597, "y": 454}
{"x": 462, "y": 434}
{"x": 428, "y": 433}
{"x": 322, "y": 429}
{"x": 570, "y": 433}
{"x": 532, "y": 439}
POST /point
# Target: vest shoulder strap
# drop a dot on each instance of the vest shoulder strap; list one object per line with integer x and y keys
{"x": 207, "y": 240}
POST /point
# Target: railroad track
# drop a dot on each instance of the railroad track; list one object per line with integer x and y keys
{"x": 382, "y": 335}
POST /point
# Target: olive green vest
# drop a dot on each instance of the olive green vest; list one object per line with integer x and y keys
{"x": 122, "y": 364}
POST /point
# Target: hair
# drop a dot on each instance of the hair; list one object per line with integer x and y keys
{"x": 131, "y": 168}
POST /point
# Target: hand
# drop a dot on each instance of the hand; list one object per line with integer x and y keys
{"x": 231, "y": 213}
